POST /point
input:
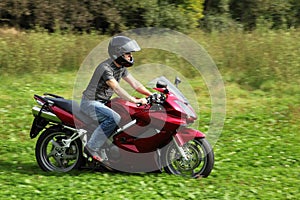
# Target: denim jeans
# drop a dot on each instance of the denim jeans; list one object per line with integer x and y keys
{"x": 107, "y": 119}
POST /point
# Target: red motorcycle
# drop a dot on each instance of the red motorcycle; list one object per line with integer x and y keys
{"x": 152, "y": 137}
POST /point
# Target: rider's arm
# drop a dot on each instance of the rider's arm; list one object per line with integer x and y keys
{"x": 122, "y": 93}
{"x": 135, "y": 84}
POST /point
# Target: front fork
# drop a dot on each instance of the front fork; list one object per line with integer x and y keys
{"x": 183, "y": 136}
{"x": 180, "y": 149}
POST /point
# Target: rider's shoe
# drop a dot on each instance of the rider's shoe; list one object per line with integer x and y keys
{"x": 93, "y": 154}
{"x": 106, "y": 165}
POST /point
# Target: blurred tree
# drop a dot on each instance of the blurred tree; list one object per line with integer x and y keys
{"x": 16, "y": 13}
{"x": 218, "y": 16}
{"x": 108, "y": 16}
{"x": 134, "y": 14}
{"x": 47, "y": 13}
{"x": 252, "y": 12}
{"x": 193, "y": 9}
{"x": 169, "y": 16}
{"x": 111, "y": 16}
{"x": 295, "y": 13}
{"x": 105, "y": 16}
{"x": 179, "y": 15}
{"x": 212, "y": 6}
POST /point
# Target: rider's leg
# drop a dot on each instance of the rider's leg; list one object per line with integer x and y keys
{"x": 108, "y": 121}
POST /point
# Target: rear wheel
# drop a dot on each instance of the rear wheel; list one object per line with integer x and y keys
{"x": 52, "y": 156}
{"x": 199, "y": 162}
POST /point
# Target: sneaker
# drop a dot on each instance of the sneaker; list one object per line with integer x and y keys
{"x": 106, "y": 165}
{"x": 92, "y": 153}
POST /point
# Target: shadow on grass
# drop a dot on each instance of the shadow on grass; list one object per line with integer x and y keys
{"x": 32, "y": 168}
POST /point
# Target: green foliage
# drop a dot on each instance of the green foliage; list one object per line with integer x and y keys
{"x": 258, "y": 60}
{"x": 191, "y": 9}
{"x": 106, "y": 16}
{"x": 276, "y": 12}
{"x": 62, "y": 15}
{"x": 39, "y": 52}
{"x": 113, "y": 16}
{"x": 262, "y": 59}
{"x": 296, "y": 12}
{"x": 249, "y": 14}
{"x": 169, "y": 16}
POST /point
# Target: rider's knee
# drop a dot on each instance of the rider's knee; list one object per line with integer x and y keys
{"x": 117, "y": 119}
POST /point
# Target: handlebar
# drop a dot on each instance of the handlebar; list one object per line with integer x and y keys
{"x": 158, "y": 98}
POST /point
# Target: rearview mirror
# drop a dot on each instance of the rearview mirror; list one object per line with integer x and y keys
{"x": 161, "y": 84}
{"x": 177, "y": 81}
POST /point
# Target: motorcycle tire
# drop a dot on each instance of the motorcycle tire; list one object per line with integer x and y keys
{"x": 199, "y": 163}
{"x": 52, "y": 156}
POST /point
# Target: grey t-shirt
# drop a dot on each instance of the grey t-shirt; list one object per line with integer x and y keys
{"x": 97, "y": 88}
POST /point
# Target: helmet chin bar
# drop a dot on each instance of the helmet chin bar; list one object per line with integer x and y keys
{"x": 124, "y": 62}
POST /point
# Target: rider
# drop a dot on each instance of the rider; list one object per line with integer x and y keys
{"x": 103, "y": 84}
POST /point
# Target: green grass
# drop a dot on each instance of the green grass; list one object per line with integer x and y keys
{"x": 256, "y": 156}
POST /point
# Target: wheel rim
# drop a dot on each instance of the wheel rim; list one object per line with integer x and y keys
{"x": 57, "y": 158}
{"x": 196, "y": 159}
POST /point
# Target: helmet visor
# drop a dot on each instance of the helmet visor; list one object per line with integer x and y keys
{"x": 131, "y": 46}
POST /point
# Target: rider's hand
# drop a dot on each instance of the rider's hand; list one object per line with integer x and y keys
{"x": 142, "y": 101}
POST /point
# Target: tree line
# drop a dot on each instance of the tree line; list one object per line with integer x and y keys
{"x": 249, "y": 14}
{"x": 112, "y": 16}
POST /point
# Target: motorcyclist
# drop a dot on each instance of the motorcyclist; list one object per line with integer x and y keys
{"x": 103, "y": 84}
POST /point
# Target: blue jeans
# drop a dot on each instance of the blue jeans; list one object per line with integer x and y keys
{"x": 107, "y": 119}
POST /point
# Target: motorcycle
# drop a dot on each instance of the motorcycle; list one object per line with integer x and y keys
{"x": 151, "y": 137}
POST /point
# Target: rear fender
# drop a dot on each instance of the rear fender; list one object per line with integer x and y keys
{"x": 38, "y": 124}
{"x": 187, "y": 134}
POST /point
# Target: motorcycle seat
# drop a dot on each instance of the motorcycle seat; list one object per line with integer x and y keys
{"x": 65, "y": 104}
{"x": 71, "y": 107}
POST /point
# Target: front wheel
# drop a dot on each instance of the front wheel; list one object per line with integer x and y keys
{"x": 199, "y": 162}
{"x": 52, "y": 156}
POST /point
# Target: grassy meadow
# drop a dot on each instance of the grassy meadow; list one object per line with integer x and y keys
{"x": 256, "y": 156}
